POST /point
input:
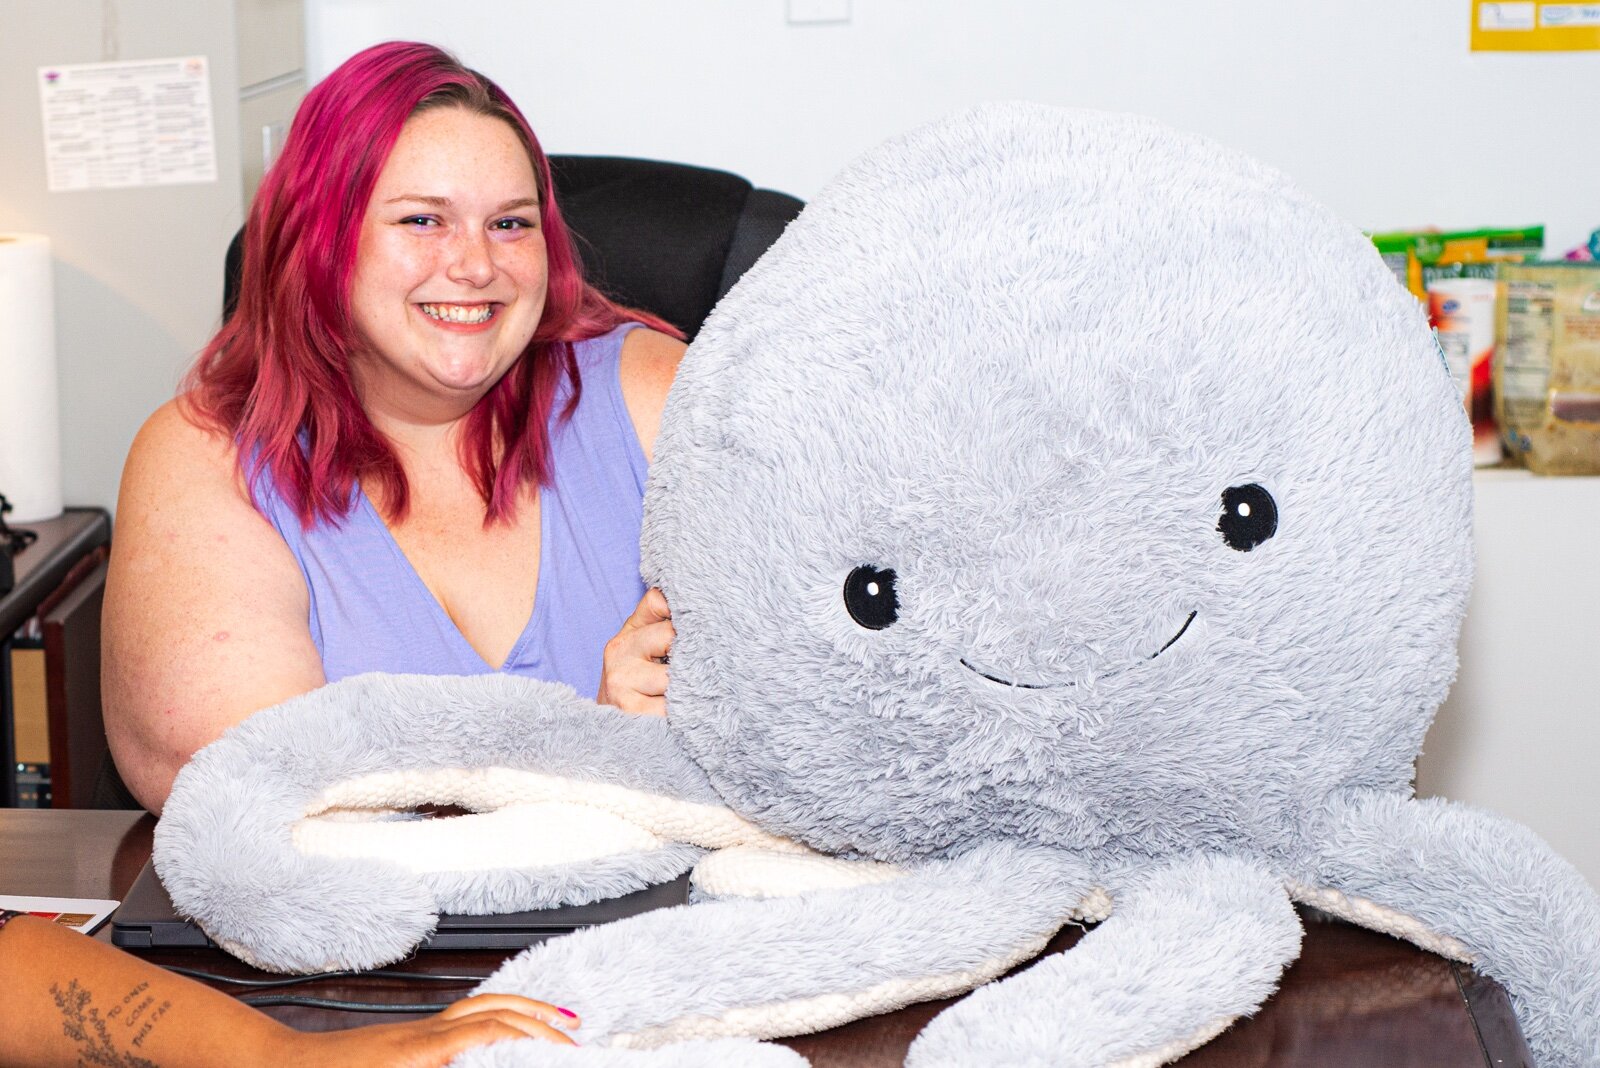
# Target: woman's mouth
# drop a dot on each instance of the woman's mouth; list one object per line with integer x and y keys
{"x": 460, "y": 314}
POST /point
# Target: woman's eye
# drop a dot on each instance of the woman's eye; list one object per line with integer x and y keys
{"x": 869, "y": 597}
{"x": 512, "y": 224}
{"x": 419, "y": 220}
{"x": 1249, "y": 516}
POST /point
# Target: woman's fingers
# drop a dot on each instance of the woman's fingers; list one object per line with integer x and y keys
{"x": 644, "y": 676}
{"x": 437, "y": 1040}
{"x": 637, "y": 662}
{"x": 654, "y": 642}
{"x": 633, "y": 673}
{"x": 640, "y": 686}
{"x": 503, "y": 1021}
{"x": 449, "y": 1040}
{"x": 541, "y": 1010}
{"x": 647, "y": 706}
{"x": 656, "y": 602}
{"x": 652, "y": 608}
{"x": 486, "y": 1018}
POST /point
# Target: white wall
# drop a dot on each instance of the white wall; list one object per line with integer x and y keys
{"x": 1520, "y": 733}
{"x": 1375, "y": 106}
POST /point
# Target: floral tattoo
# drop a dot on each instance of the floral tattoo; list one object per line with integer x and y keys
{"x": 97, "y": 1034}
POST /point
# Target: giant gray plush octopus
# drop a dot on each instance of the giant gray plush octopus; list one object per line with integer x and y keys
{"x": 1068, "y": 519}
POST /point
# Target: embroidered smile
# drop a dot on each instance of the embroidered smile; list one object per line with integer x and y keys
{"x": 1055, "y": 685}
{"x": 459, "y": 313}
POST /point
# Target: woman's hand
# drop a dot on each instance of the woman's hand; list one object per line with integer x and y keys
{"x": 436, "y": 1041}
{"x": 633, "y": 675}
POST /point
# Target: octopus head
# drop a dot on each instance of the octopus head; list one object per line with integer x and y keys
{"x": 1059, "y": 476}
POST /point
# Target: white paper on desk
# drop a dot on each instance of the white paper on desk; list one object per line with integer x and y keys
{"x": 80, "y": 913}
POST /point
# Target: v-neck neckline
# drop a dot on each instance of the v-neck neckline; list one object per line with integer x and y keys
{"x": 442, "y": 616}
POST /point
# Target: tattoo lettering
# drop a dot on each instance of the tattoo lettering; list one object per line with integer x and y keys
{"x": 161, "y": 1010}
{"x": 83, "y": 1024}
{"x": 138, "y": 1010}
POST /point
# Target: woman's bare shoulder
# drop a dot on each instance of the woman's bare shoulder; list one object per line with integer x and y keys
{"x": 182, "y": 480}
{"x": 179, "y": 460}
{"x": 183, "y": 495}
{"x": 649, "y": 363}
{"x": 176, "y": 433}
{"x": 645, "y": 344}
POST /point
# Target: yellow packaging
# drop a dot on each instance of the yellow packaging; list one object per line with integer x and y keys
{"x": 1420, "y": 257}
{"x": 1547, "y": 366}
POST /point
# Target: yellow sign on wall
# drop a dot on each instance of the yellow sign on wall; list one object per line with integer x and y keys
{"x": 1535, "y": 26}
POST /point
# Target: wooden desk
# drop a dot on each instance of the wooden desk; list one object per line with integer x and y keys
{"x": 1353, "y": 998}
{"x": 60, "y": 578}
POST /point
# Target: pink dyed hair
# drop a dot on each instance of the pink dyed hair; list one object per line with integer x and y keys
{"x": 276, "y": 377}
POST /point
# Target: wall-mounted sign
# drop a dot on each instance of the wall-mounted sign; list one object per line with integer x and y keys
{"x": 1535, "y": 26}
{"x": 116, "y": 125}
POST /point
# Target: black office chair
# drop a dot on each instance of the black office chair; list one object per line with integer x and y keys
{"x": 668, "y": 238}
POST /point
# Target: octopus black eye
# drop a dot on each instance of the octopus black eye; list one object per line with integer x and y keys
{"x": 1249, "y": 516}
{"x": 869, "y": 597}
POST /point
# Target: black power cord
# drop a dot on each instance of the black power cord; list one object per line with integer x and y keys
{"x": 317, "y": 977}
{"x": 306, "y": 1001}
{"x": 264, "y": 1000}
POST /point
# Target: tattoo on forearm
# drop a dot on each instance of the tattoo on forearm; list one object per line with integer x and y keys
{"x": 98, "y": 1035}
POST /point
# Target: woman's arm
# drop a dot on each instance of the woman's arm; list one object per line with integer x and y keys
{"x": 70, "y": 1000}
{"x": 206, "y": 612}
{"x": 633, "y": 673}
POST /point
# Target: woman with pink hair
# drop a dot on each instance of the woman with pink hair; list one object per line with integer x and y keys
{"x": 419, "y": 444}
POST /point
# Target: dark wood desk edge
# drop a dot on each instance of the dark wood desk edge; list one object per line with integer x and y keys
{"x": 1489, "y": 1006}
{"x": 42, "y": 566}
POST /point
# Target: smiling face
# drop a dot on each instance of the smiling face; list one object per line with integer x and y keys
{"x": 1064, "y": 478}
{"x": 449, "y": 281}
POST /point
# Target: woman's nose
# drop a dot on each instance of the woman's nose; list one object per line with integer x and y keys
{"x": 472, "y": 260}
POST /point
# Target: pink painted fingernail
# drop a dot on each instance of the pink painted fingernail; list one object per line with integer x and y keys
{"x": 566, "y": 1012}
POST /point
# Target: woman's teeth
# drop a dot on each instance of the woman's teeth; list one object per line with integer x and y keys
{"x": 458, "y": 313}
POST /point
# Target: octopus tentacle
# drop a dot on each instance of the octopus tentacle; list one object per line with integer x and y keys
{"x": 1521, "y": 914}
{"x": 807, "y": 962}
{"x": 1190, "y": 946}
{"x": 286, "y": 838}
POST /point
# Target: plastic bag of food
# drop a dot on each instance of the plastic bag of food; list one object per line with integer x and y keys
{"x": 1547, "y": 366}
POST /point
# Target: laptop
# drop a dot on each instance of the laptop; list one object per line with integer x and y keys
{"x": 147, "y": 919}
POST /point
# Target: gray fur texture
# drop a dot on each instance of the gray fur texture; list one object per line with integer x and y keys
{"x": 723, "y": 1053}
{"x": 1129, "y": 986}
{"x": 1028, "y": 360}
{"x": 224, "y": 851}
{"x": 954, "y": 914}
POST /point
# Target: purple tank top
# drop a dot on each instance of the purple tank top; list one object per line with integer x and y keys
{"x": 371, "y": 612}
